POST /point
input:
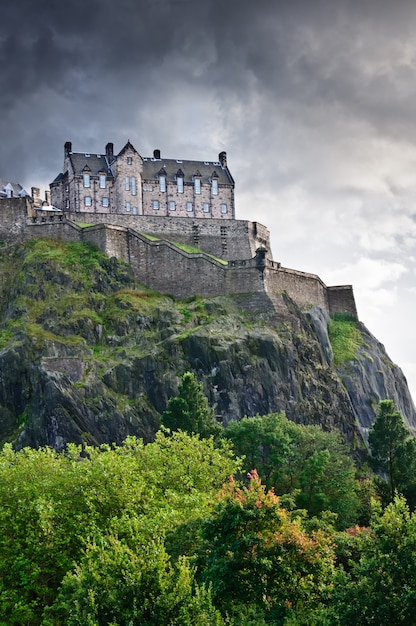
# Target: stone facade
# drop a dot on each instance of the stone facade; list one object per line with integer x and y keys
{"x": 129, "y": 184}
{"x": 235, "y": 257}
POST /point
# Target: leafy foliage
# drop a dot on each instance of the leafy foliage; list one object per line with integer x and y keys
{"x": 189, "y": 410}
{"x": 312, "y": 465}
{"x": 256, "y": 552}
{"x": 393, "y": 450}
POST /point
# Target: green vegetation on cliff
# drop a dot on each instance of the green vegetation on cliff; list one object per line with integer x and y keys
{"x": 345, "y": 337}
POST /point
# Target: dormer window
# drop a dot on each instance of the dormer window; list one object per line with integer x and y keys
{"x": 214, "y": 186}
{"x": 87, "y": 181}
{"x": 102, "y": 181}
{"x": 197, "y": 185}
{"x": 162, "y": 184}
{"x": 179, "y": 181}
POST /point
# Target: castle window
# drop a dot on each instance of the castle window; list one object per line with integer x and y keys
{"x": 87, "y": 201}
{"x": 102, "y": 181}
{"x": 133, "y": 185}
{"x": 197, "y": 185}
{"x": 129, "y": 160}
{"x": 67, "y": 203}
{"x": 189, "y": 206}
{"x": 206, "y": 207}
{"x": 134, "y": 211}
{"x": 105, "y": 202}
{"x": 87, "y": 182}
{"x": 155, "y": 204}
{"x": 172, "y": 205}
{"x": 214, "y": 184}
{"x": 223, "y": 208}
{"x": 162, "y": 184}
{"x": 127, "y": 183}
{"x": 179, "y": 181}
{"x": 127, "y": 206}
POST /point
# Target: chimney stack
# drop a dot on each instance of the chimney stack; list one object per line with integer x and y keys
{"x": 67, "y": 148}
{"x": 156, "y": 154}
{"x": 36, "y": 197}
{"x": 109, "y": 151}
{"x": 222, "y": 158}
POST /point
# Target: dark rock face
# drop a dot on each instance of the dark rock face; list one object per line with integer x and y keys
{"x": 90, "y": 356}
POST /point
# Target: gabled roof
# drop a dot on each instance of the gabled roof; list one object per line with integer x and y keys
{"x": 127, "y": 147}
{"x": 7, "y": 185}
{"x": 190, "y": 169}
{"x": 96, "y": 163}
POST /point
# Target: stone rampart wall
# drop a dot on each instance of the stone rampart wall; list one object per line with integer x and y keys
{"x": 305, "y": 289}
{"x": 341, "y": 300}
{"x": 226, "y": 239}
{"x": 164, "y": 267}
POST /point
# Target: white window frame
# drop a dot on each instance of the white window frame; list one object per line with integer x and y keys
{"x": 172, "y": 205}
{"x": 214, "y": 184}
{"x": 87, "y": 200}
{"x": 128, "y": 206}
{"x": 197, "y": 185}
{"x": 224, "y": 208}
{"x": 206, "y": 207}
{"x": 87, "y": 180}
{"x": 189, "y": 206}
{"x": 102, "y": 181}
{"x": 162, "y": 184}
{"x": 133, "y": 186}
{"x": 179, "y": 181}
{"x": 155, "y": 205}
{"x": 127, "y": 183}
{"x": 105, "y": 201}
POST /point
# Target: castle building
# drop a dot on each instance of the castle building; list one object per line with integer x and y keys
{"x": 9, "y": 189}
{"x": 130, "y": 184}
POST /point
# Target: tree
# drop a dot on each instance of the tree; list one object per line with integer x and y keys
{"x": 256, "y": 555}
{"x": 380, "y": 586}
{"x": 392, "y": 449}
{"x": 305, "y": 461}
{"x": 124, "y": 579}
{"x": 189, "y": 410}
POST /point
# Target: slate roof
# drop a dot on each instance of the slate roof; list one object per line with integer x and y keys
{"x": 203, "y": 169}
{"x": 97, "y": 163}
{"x": 17, "y": 189}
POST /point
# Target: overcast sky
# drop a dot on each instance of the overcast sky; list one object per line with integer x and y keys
{"x": 314, "y": 102}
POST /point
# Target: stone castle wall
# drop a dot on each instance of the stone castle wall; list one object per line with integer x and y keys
{"x": 162, "y": 266}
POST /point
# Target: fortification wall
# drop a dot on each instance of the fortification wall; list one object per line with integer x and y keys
{"x": 164, "y": 267}
{"x": 341, "y": 300}
{"x": 226, "y": 239}
{"x": 13, "y": 216}
{"x": 305, "y": 289}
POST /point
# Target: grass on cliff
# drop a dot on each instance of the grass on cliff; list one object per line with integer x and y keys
{"x": 345, "y": 338}
{"x": 73, "y": 293}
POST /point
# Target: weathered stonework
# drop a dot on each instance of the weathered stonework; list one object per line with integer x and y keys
{"x": 234, "y": 256}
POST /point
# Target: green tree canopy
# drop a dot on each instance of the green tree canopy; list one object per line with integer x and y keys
{"x": 305, "y": 461}
{"x": 256, "y": 553}
{"x": 189, "y": 410}
{"x": 393, "y": 450}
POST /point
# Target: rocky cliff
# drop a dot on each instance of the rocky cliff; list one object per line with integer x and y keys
{"x": 88, "y": 355}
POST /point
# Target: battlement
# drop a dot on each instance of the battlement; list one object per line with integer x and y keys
{"x": 231, "y": 256}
